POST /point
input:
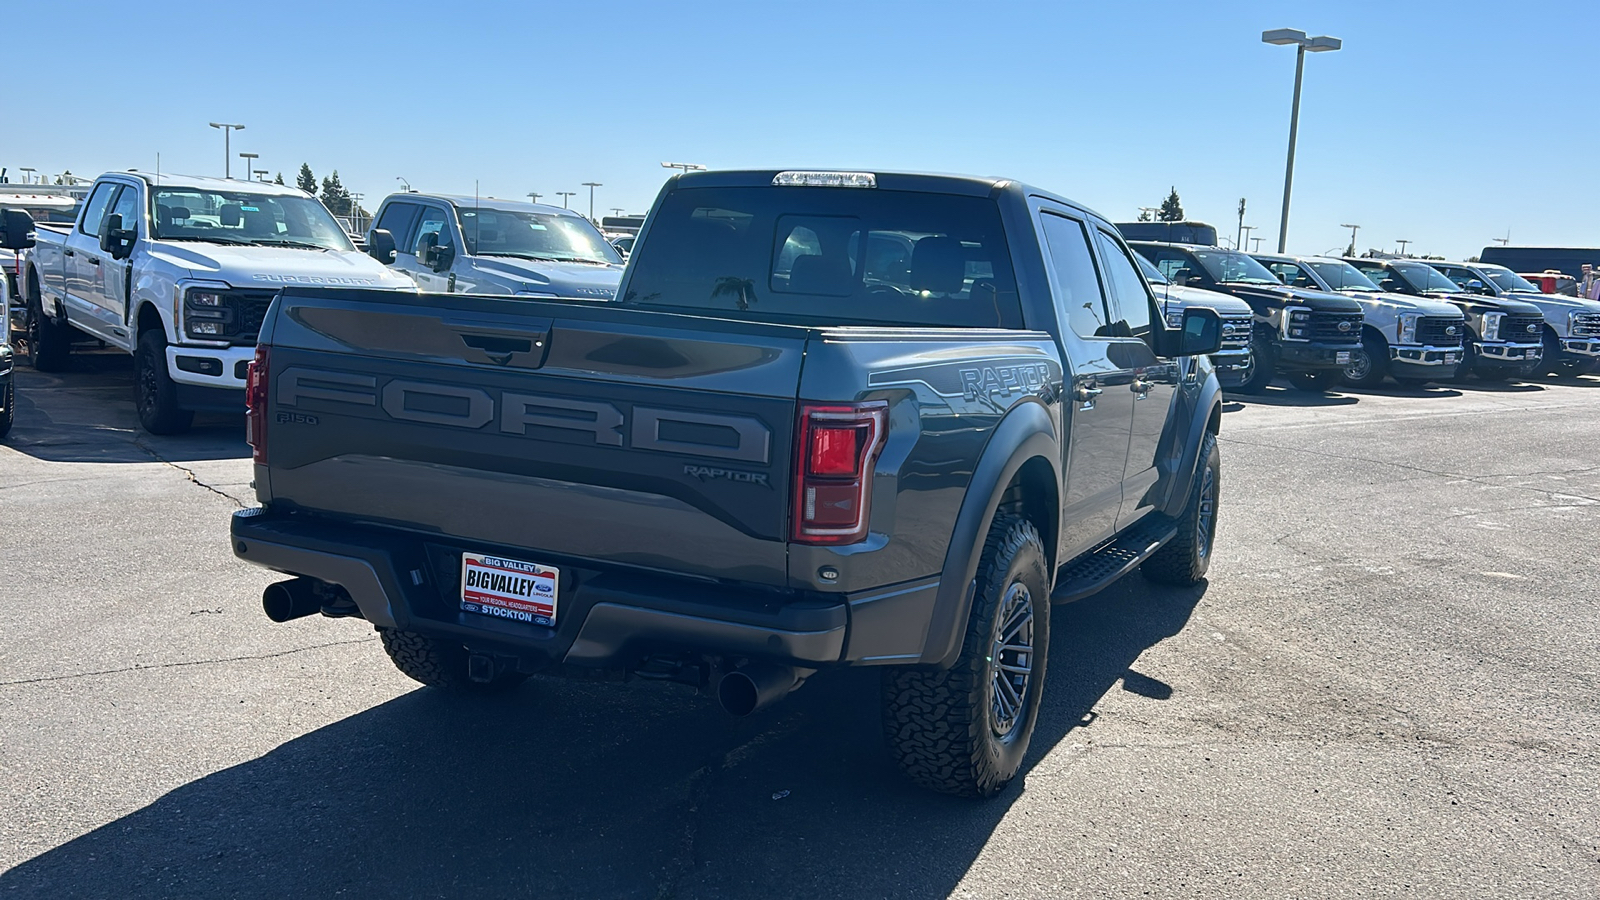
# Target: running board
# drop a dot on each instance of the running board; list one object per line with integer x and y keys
{"x": 1096, "y": 569}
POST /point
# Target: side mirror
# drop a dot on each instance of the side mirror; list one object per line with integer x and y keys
{"x": 16, "y": 229}
{"x": 116, "y": 240}
{"x": 435, "y": 257}
{"x": 1195, "y": 281}
{"x": 380, "y": 246}
{"x": 443, "y": 257}
{"x": 1199, "y": 333}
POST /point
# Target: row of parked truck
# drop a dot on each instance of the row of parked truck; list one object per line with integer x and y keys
{"x": 820, "y": 420}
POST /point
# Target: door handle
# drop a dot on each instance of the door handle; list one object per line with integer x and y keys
{"x": 94, "y": 260}
{"x": 1086, "y": 395}
{"x": 1141, "y": 387}
{"x": 68, "y": 253}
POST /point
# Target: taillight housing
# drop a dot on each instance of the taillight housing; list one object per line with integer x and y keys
{"x": 255, "y": 405}
{"x": 838, "y": 447}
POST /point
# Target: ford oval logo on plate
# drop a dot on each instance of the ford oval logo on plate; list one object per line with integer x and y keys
{"x": 1533, "y": 329}
{"x": 1344, "y": 326}
{"x": 1452, "y": 331}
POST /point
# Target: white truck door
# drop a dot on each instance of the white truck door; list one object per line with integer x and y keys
{"x": 110, "y": 293}
{"x": 82, "y": 264}
{"x": 433, "y": 225}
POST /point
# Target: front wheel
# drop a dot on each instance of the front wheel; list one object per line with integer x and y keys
{"x": 1183, "y": 561}
{"x": 1368, "y": 365}
{"x": 157, "y": 394}
{"x": 965, "y": 730}
{"x": 8, "y": 415}
{"x": 1264, "y": 366}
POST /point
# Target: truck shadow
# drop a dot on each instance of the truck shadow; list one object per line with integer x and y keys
{"x": 571, "y": 789}
{"x": 1277, "y": 395}
{"x": 86, "y": 414}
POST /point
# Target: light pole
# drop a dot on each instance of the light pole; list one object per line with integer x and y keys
{"x": 1244, "y": 231}
{"x": 1353, "y": 230}
{"x": 228, "y": 128}
{"x": 1315, "y": 45}
{"x": 533, "y": 196}
{"x": 249, "y": 163}
{"x": 27, "y": 174}
{"x": 1402, "y": 247}
{"x": 356, "y": 224}
{"x": 591, "y": 185}
{"x": 1257, "y": 242}
{"x": 1150, "y": 211}
{"x": 1239, "y": 241}
{"x": 404, "y": 184}
{"x": 616, "y": 210}
{"x": 685, "y": 167}
{"x": 564, "y": 195}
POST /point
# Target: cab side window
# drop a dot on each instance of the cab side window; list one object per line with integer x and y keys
{"x": 1080, "y": 301}
{"x": 1174, "y": 265}
{"x": 127, "y": 206}
{"x": 1292, "y": 275}
{"x": 1461, "y": 277}
{"x": 1133, "y": 297}
{"x": 434, "y": 221}
{"x": 397, "y": 219}
{"x": 94, "y": 212}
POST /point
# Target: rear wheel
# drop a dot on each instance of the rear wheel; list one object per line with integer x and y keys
{"x": 1368, "y": 365}
{"x": 1264, "y": 367}
{"x": 437, "y": 663}
{"x": 8, "y": 415}
{"x": 157, "y": 394}
{"x": 1184, "y": 560}
{"x": 965, "y": 730}
{"x": 48, "y": 343}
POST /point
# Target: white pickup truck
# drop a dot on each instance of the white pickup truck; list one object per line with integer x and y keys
{"x": 179, "y": 272}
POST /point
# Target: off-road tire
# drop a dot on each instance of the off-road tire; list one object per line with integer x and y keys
{"x": 49, "y": 343}
{"x": 155, "y": 393}
{"x": 1377, "y": 355}
{"x": 1263, "y": 366}
{"x": 437, "y": 663}
{"x": 1183, "y": 561}
{"x": 940, "y": 726}
{"x": 8, "y": 415}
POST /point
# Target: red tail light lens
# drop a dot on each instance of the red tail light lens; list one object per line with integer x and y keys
{"x": 255, "y": 405}
{"x": 838, "y": 447}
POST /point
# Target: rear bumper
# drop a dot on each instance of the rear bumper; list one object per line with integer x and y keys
{"x": 1305, "y": 356}
{"x": 604, "y": 619}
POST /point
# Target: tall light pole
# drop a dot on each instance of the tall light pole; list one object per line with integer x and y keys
{"x": 27, "y": 174}
{"x": 1353, "y": 230}
{"x": 1239, "y": 241}
{"x": 564, "y": 195}
{"x": 1402, "y": 246}
{"x": 1150, "y": 211}
{"x": 249, "y": 163}
{"x": 1244, "y": 231}
{"x": 685, "y": 167}
{"x": 1257, "y": 242}
{"x": 1315, "y": 45}
{"x": 533, "y": 196}
{"x": 616, "y": 210}
{"x": 404, "y": 184}
{"x": 591, "y": 185}
{"x": 228, "y": 128}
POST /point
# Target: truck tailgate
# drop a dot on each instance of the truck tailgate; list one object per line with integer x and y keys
{"x": 579, "y": 432}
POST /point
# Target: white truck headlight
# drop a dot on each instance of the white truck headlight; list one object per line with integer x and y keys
{"x": 1491, "y": 325}
{"x": 1406, "y": 331}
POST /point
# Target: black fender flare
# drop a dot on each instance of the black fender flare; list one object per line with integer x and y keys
{"x": 1208, "y": 406}
{"x": 1024, "y": 433}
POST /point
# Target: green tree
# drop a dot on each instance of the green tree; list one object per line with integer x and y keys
{"x": 1171, "y": 209}
{"x": 334, "y": 195}
{"x": 279, "y": 179}
{"x": 307, "y": 182}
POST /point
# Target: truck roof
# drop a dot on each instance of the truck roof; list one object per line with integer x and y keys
{"x": 462, "y": 201}
{"x": 205, "y": 182}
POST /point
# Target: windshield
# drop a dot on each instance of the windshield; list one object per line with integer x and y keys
{"x": 534, "y": 235}
{"x": 1426, "y": 278}
{"x": 241, "y": 217}
{"x": 1509, "y": 280}
{"x": 1341, "y": 276}
{"x": 826, "y": 254}
{"x": 1230, "y": 267}
{"x": 1151, "y": 273}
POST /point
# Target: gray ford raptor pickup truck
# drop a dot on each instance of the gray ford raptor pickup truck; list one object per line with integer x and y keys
{"x": 831, "y": 419}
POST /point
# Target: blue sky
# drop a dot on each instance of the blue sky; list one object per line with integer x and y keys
{"x": 1443, "y": 123}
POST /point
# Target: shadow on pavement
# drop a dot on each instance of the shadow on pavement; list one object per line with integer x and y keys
{"x": 86, "y": 414}
{"x": 1498, "y": 387}
{"x": 584, "y": 790}
{"x": 1275, "y": 395}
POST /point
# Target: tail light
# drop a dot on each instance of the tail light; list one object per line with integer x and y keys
{"x": 838, "y": 447}
{"x": 255, "y": 405}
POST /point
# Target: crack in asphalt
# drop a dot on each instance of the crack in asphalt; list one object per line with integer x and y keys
{"x": 182, "y": 663}
{"x": 188, "y": 473}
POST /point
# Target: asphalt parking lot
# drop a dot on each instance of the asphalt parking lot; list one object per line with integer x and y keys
{"x": 1390, "y": 686}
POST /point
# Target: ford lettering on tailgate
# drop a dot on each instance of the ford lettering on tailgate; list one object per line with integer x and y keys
{"x": 739, "y": 438}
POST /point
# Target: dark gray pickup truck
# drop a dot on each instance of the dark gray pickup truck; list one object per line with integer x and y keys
{"x": 833, "y": 419}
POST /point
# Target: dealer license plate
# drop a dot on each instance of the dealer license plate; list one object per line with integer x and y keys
{"x": 1342, "y": 357}
{"x": 1452, "y": 357}
{"x": 508, "y": 589}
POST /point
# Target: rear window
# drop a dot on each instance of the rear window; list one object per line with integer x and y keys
{"x": 820, "y": 255}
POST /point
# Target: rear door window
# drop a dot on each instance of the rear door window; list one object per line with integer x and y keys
{"x": 1080, "y": 299}
{"x": 1133, "y": 297}
{"x": 824, "y": 254}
